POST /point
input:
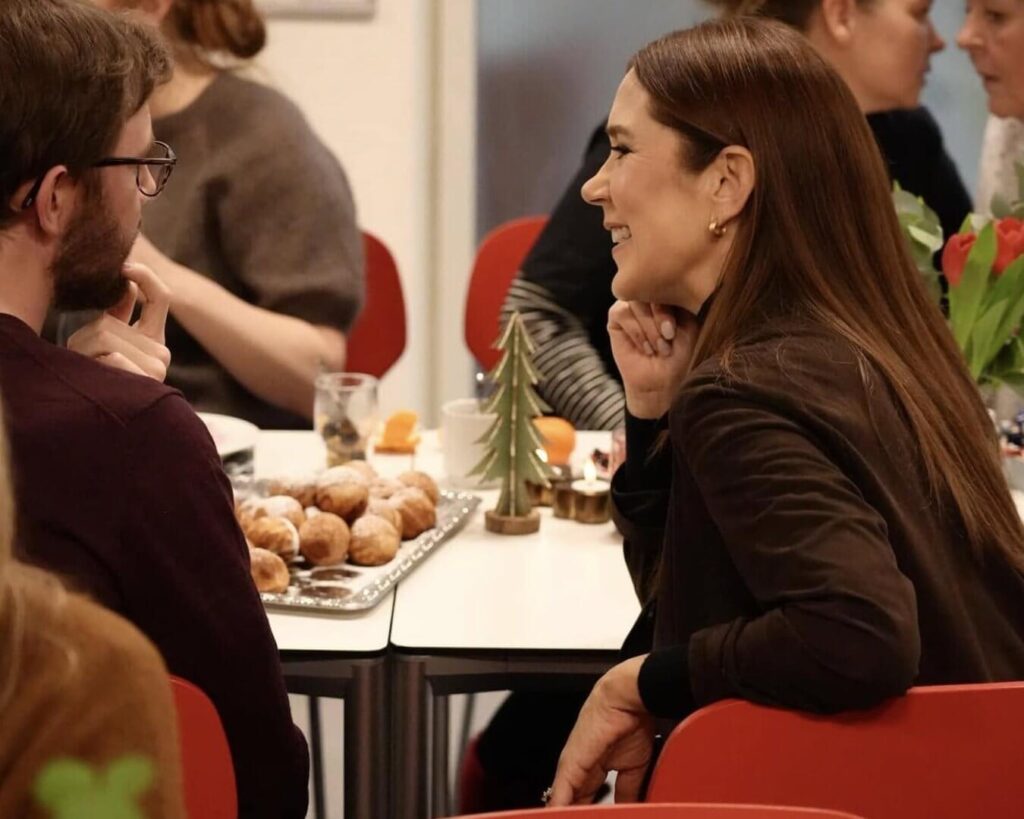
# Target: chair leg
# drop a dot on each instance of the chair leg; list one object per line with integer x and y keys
{"x": 316, "y": 752}
{"x": 464, "y": 730}
{"x": 439, "y": 761}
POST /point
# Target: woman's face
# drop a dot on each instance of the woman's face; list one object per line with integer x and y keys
{"x": 993, "y": 34}
{"x": 656, "y": 211}
{"x": 888, "y": 53}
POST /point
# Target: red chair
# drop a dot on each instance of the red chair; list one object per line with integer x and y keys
{"x": 937, "y": 753}
{"x": 206, "y": 768}
{"x": 649, "y": 811}
{"x": 498, "y": 259}
{"x": 377, "y": 339}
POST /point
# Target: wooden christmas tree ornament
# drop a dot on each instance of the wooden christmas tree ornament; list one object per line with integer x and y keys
{"x": 512, "y": 442}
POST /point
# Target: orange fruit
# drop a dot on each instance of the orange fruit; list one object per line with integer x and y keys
{"x": 559, "y": 438}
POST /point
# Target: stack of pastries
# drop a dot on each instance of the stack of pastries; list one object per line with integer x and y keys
{"x": 347, "y": 513}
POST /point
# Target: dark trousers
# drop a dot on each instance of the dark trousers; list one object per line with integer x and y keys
{"x": 519, "y": 749}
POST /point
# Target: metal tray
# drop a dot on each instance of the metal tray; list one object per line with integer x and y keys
{"x": 347, "y": 587}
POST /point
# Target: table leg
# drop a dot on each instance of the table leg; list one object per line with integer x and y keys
{"x": 366, "y": 741}
{"x": 410, "y": 739}
{"x": 439, "y": 757}
{"x": 316, "y": 749}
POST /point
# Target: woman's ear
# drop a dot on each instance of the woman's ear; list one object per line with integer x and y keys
{"x": 733, "y": 181}
{"x": 836, "y": 20}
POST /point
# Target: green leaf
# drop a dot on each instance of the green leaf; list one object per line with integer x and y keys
{"x": 966, "y": 298}
{"x": 981, "y": 340}
{"x": 1007, "y": 298}
{"x": 932, "y": 241}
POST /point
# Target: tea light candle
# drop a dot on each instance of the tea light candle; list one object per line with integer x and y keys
{"x": 591, "y": 497}
{"x": 558, "y": 476}
{"x": 563, "y": 500}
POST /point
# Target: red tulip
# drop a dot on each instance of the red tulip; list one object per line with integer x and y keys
{"x": 1010, "y": 238}
{"x": 954, "y": 256}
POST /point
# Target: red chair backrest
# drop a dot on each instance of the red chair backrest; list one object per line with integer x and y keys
{"x": 498, "y": 259}
{"x": 669, "y": 811}
{"x": 938, "y": 752}
{"x": 206, "y": 768}
{"x": 377, "y": 339}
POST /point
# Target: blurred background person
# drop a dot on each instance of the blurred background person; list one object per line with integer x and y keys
{"x": 257, "y": 238}
{"x": 993, "y": 36}
{"x": 76, "y": 682}
{"x": 881, "y": 48}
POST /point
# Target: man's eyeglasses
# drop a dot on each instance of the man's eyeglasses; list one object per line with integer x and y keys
{"x": 151, "y": 172}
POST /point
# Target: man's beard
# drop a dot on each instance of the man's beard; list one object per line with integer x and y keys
{"x": 87, "y": 268}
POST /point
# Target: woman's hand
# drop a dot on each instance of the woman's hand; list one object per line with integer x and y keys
{"x": 652, "y": 345}
{"x": 136, "y": 348}
{"x": 613, "y": 733}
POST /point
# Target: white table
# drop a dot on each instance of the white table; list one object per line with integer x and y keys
{"x": 335, "y": 655}
{"x": 482, "y": 612}
{"x": 490, "y": 611}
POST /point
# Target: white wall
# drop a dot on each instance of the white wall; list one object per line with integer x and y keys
{"x": 373, "y": 91}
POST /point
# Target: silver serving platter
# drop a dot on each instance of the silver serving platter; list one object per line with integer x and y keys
{"x": 347, "y": 587}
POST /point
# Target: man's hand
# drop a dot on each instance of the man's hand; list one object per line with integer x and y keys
{"x": 137, "y": 348}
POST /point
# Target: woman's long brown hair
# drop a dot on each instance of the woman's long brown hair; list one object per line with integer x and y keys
{"x": 819, "y": 238}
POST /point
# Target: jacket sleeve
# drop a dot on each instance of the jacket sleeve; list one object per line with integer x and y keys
{"x": 194, "y": 598}
{"x": 838, "y": 623}
{"x": 640, "y": 497}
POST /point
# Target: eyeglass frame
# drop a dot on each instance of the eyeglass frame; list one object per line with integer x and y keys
{"x": 168, "y": 161}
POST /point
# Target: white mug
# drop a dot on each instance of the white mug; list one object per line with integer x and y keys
{"x": 462, "y": 426}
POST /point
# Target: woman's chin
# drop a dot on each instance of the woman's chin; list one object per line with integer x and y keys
{"x": 1000, "y": 106}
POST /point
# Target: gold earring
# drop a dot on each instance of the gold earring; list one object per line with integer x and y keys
{"x": 717, "y": 230}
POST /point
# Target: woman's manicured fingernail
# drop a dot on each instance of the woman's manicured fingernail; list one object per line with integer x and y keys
{"x": 664, "y": 348}
{"x": 668, "y": 330}
{"x": 648, "y": 348}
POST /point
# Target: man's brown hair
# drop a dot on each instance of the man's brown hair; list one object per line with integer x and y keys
{"x": 71, "y": 75}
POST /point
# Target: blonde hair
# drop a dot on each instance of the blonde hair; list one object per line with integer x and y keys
{"x": 28, "y": 597}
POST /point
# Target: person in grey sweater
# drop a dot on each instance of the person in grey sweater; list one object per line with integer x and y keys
{"x": 257, "y": 238}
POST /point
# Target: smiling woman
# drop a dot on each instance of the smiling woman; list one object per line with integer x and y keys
{"x": 824, "y": 522}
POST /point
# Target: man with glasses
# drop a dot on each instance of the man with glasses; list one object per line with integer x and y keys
{"x": 119, "y": 487}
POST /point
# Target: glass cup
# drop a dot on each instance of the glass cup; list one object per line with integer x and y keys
{"x": 345, "y": 414}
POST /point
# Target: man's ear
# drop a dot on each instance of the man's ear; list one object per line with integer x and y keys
{"x": 54, "y": 203}
{"x": 733, "y": 177}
